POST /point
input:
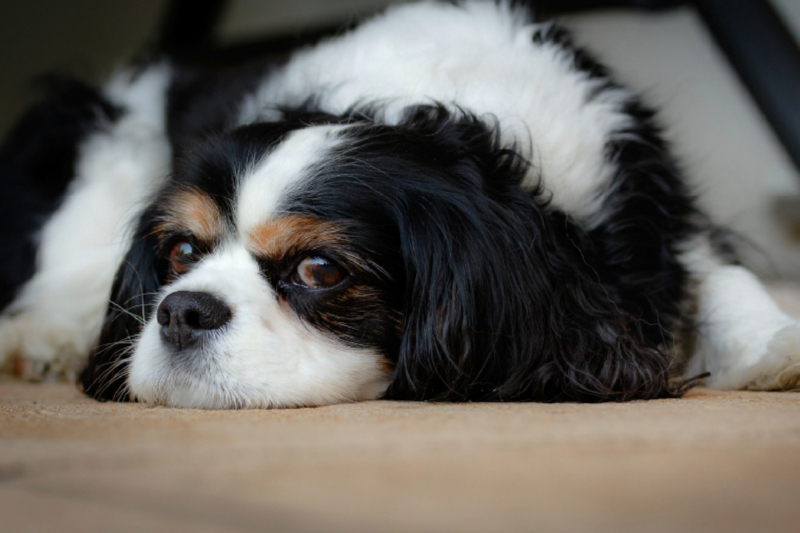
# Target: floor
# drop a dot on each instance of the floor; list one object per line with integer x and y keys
{"x": 712, "y": 461}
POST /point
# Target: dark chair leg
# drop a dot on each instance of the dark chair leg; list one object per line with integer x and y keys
{"x": 766, "y": 57}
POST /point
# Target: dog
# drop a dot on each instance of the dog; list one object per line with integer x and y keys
{"x": 451, "y": 202}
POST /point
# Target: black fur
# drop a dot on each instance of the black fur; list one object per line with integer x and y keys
{"x": 135, "y": 285}
{"x": 205, "y": 103}
{"x": 505, "y": 298}
{"x": 37, "y": 163}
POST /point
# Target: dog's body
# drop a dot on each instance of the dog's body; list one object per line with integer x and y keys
{"x": 449, "y": 202}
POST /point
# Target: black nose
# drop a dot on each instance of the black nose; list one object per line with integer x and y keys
{"x": 184, "y": 317}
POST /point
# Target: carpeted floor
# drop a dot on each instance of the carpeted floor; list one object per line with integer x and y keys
{"x": 711, "y": 461}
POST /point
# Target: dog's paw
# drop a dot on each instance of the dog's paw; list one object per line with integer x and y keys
{"x": 779, "y": 368}
{"x": 39, "y": 350}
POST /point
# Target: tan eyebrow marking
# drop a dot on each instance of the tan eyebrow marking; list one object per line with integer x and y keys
{"x": 193, "y": 211}
{"x": 293, "y": 233}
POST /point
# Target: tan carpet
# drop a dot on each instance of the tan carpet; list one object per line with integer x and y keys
{"x": 709, "y": 462}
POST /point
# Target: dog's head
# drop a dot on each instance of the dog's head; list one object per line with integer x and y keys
{"x": 320, "y": 259}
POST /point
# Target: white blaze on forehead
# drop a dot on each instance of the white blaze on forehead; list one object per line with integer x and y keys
{"x": 282, "y": 170}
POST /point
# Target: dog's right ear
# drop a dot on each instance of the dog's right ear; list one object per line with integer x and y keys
{"x": 135, "y": 286}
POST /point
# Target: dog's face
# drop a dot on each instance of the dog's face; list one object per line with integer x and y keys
{"x": 319, "y": 259}
{"x": 267, "y": 297}
{"x": 266, "y": 300}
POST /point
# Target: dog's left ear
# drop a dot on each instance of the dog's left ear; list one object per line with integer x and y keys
{"x": 502, "y": 309}
{"x": 135, "y": 286}
{"x": 501, "y": 302}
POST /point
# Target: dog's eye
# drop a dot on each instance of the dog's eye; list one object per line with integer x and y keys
{"x": 319, "y": 273}
{"x": 181, "y": 256}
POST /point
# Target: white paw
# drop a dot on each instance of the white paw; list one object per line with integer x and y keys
{"x": 37, "y": 349}
{"x": 779, "y": 367}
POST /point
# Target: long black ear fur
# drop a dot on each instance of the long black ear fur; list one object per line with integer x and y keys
{"x": 135, "y": 285}
{"x": 502, "y": 303}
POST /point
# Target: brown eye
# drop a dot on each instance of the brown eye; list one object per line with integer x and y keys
{"x": 319, "y": 273}
{"x": 180, "y": 257}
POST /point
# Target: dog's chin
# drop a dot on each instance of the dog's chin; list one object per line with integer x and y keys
{"x": 184, "y": 390}
{"x": 156, "y": 377}
{"x": 155, "y": 381}
{"x": 191, "y": 393}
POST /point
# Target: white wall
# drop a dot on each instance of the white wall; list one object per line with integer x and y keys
{"x": 728, "y": 149}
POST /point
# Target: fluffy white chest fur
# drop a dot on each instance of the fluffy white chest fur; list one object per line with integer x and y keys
{"x": 449, "y": 202}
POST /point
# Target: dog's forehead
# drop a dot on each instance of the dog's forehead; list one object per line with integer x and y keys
{"x": 192, "y": 210}
{"x": 265, "y": 186}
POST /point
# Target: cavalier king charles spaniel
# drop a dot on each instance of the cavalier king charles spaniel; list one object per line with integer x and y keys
{"x": 450, "y": 202}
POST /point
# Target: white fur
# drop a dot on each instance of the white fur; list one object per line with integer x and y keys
{"x": 56, "y": 319}
{"x": 745, "y": 340}
{"x": 265, "y": 186}
{"x": 480, "y": 57}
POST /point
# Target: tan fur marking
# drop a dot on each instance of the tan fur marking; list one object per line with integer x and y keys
{"x": 386, "y": 366}
{"x": 291, "y": 234}
{"x": 195, "y": 212}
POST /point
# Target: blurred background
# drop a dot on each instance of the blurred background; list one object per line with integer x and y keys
{"x": 733, "y": 157}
